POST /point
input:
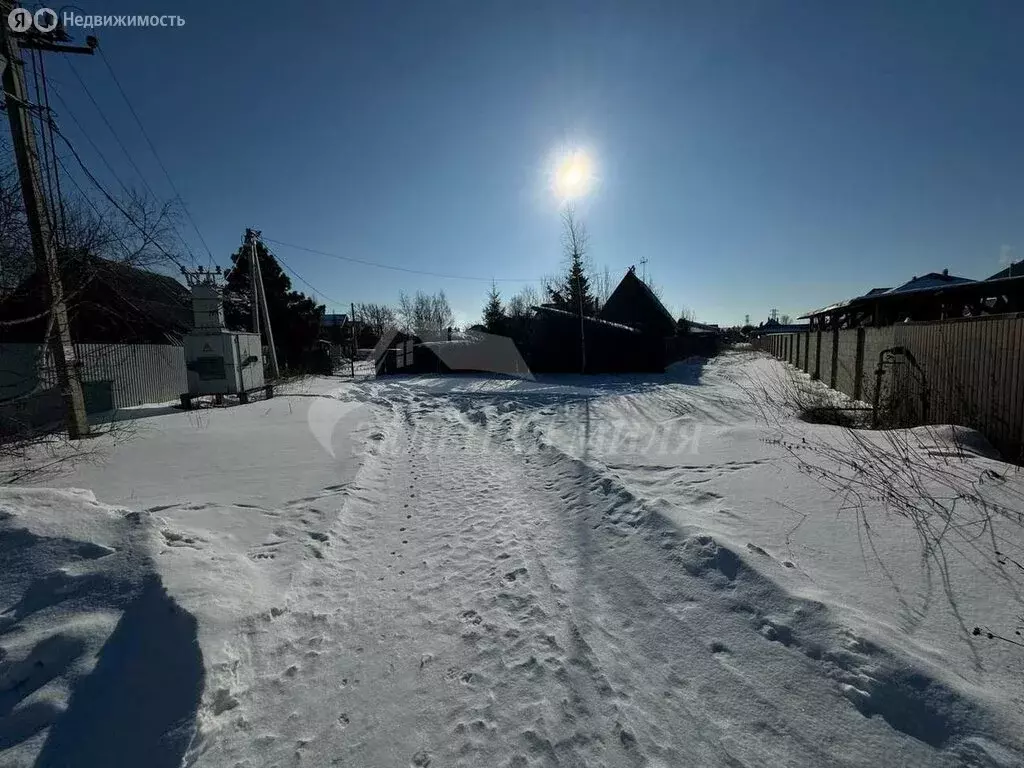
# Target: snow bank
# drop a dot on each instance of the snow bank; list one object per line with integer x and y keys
{"x": 473, "y": 571}
{"x": 98, "y": 665}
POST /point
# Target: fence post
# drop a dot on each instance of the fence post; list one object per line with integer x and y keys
{"x": 817, "y": 356}
{"x": 858, "y": 371}
{"x": 807, "y": 352}
{"x": 834, "y": 374}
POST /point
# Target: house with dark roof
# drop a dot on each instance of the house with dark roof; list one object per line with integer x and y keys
{"x": 634, "y": 304}
{"x": 632, "y": 332}
{"x": 555, "y": 345}
{"x": 1014, "y": 270}
{"x": 934, "y": 296}
{"x": 109, "y": 302}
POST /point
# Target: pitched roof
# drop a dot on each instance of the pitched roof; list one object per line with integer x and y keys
{"x": 586, "y": 318}
{"x": 108, "y": 302}
{"x": 1014, "y": 270}
{"x": 634, "y": 303}
{"x": 930, "y": 281}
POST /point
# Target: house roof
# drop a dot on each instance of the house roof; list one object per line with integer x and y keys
{"x": 928, "y": 282}
{"x": 634, "y": 303}
{"x": 108, "y": 302}
{"x": 1014, "y": 270}
{"x": 959, "y": 286}
{"x": 586, "y": 318}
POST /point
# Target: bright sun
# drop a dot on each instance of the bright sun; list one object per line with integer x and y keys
{"x": 574, "y": 175}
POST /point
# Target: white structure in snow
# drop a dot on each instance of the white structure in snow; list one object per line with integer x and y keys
{"x": 219, "y": 361}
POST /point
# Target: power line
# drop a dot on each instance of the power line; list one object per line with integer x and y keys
{"x": 127, "y": 154}
{"x": 365, "y": 262}
{"x": 156, "y": 154}
{"x": 308, "y": 284}
{"x": 88, "y": 138}
{"x": 112, "y": 201}
{"x": 110, "y": 127}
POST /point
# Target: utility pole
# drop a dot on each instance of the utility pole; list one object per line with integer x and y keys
{"x": 43, "y": 244}
{"x": 274, "y": 369}
{"x": 583, "y": 343}
{"x": 352, "y": 321}
{"x": 251, "y": 241}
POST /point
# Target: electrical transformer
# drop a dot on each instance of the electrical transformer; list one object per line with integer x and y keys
{"x": 223, "y": 362}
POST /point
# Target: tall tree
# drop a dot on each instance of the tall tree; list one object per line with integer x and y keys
{"x": 520, "y": 306}
{"x": 294, "y": 316}
{"x": 572, "y": 292}
{"x": 428, "y": 316}
{"x": 378, "y": 317}
{"x": 494, "y": 312}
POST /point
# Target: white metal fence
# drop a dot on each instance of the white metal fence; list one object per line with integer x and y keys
{"x": 134, "y": 373}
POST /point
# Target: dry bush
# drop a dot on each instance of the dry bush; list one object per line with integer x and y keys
{"x": 929, "y": 475}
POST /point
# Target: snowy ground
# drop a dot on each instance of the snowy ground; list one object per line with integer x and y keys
{"x": 474, "y": 571}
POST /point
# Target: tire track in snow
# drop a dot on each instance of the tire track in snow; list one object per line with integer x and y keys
{"x": 525, "y": 608}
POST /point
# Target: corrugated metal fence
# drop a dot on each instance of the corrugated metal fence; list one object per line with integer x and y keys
{"x": 967, "y": 371}
{"x": 133, "y": 373}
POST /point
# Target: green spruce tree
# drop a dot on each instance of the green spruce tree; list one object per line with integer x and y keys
{"x": 494, "y": 312}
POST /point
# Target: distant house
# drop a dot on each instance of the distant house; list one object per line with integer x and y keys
{"x": 632, "y": 332}
{"x": 929, "y": 282}
{"x": 108, "y": 302}
{"x": 930, "y": 297}
{"x": 633, "y": 303}
{"x": 1014, "y": 270}
{"x": 774, "y": 326}
{"x": 555, "y": 346}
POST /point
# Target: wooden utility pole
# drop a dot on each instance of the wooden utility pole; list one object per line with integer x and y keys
{"x": 251, "y": 240}
{"x": 43, "y": 243}
{"x": 262, "y": 301}
{"x": 352, "y": 321}
{"x": 583, "y": 343}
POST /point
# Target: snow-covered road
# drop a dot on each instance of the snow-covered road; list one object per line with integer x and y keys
{"x": 573, "y": 572}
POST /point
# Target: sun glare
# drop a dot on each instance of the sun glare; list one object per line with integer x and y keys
{"x": 574, "y": 175}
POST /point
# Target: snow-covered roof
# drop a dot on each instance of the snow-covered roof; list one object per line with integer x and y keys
{"x": 586, "y": 318}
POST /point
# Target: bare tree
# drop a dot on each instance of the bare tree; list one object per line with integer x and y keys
{"x": 426, "y": 315}
{"x": 687, "y": 314}
{"x": 378, "y": 317}
{"x": 441, "y": 312}
{"x": 96, "y": 240}
{"x": 572, "y": 291}
{"x": 603, "y": 287}
{"x": 519, "y": 306}
{"x": 784, "y": 319}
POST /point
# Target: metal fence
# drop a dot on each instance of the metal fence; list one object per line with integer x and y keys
{"x": 967, "y": 371}
{"x": 133, "y": 374}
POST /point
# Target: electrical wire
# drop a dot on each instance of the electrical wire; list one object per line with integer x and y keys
{"x": 36, "y": 114}
{"x": 128, "y": 156}
{"x": 308, "y": 284}
{"x": 95, "y": 148}
{"x": 409, "y": 270}
{"x": 48, "y": 134}
{"x": 110, "y": 127}
{"x": 110, "y": 198}
{"x": 156, "y": 154}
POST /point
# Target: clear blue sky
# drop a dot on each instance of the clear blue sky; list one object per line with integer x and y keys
{"x": 759, "y": 154}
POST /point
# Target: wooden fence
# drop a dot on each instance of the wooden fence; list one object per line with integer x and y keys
{"x": 967, "y": 371}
